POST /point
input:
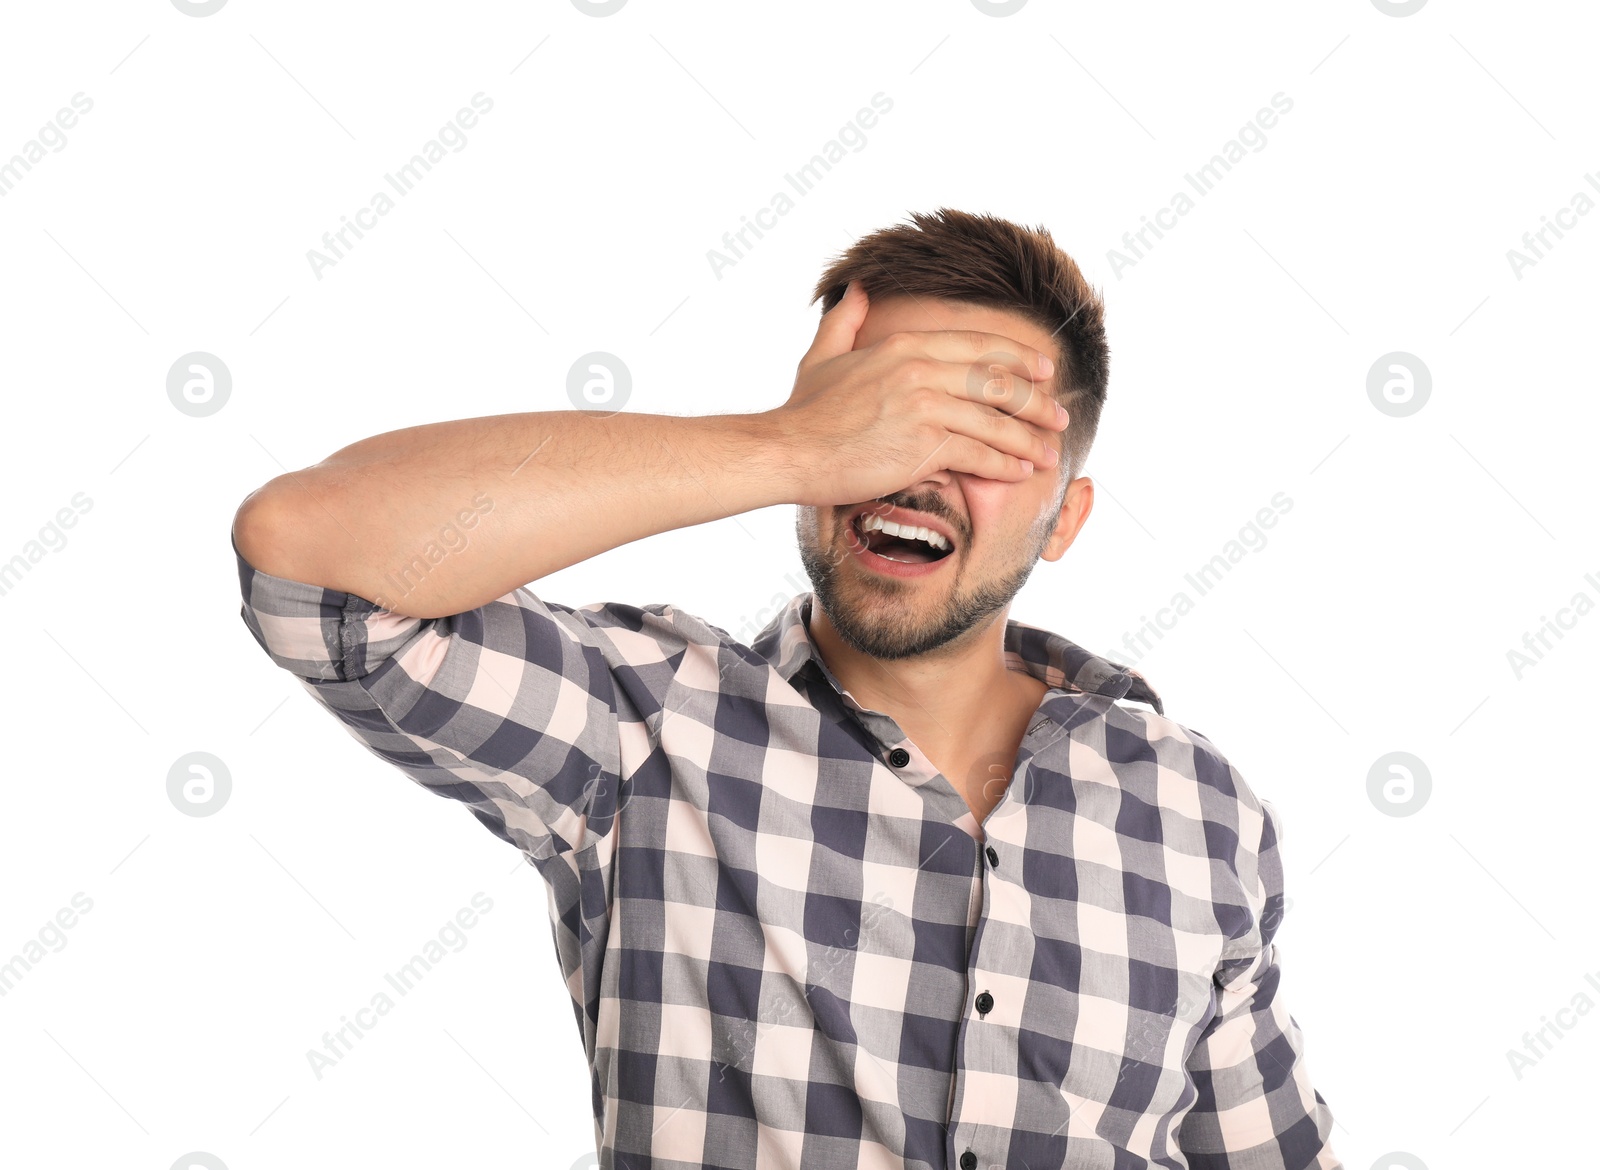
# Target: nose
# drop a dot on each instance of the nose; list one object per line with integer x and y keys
{"x": 933, "y": 483}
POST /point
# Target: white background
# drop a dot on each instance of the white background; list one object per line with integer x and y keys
{"x": 1378, "y": 616}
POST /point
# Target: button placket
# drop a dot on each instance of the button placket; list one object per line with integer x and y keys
{"x": 978, "y": 1046}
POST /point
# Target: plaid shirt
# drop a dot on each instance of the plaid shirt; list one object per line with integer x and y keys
{"x": 788, "y": 941}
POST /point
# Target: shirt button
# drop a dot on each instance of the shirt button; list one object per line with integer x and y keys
{"x": 969, "y": 1161}
{"x": 994, "y": 858}
{"x": 899, "y": 758}
{"x": 984, "y": 1002}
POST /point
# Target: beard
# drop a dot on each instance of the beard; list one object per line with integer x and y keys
{"x": 881, "y": 617}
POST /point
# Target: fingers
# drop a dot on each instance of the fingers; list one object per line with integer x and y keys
{"x": 987, "y": 368}
{"x": 1005, "y": 434}
{"x": 996, "y": 385}
{"x": 979, "y": 350}
{"x": 977, "y": 457}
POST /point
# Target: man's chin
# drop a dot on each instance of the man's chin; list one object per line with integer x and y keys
{"x": 874, "y": 631}
{"x": 882, "y": 618}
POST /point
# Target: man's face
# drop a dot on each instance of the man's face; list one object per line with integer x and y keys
{"x": 1001, "y": 528}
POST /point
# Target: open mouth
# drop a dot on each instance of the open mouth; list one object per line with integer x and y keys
{"x": 898, "y": 542}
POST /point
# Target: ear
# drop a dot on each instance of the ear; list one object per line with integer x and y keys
{"x": 1076, "y": 504}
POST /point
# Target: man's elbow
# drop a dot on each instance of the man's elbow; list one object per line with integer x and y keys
{"x": 267, "y": 536}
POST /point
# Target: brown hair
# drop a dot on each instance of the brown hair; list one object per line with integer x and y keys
{"x": 984, "y": 260}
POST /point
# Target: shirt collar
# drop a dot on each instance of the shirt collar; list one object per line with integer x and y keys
{"x": 1052, "y": 659}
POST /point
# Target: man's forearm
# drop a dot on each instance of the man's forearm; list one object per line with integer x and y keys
{"x": 443, "y": 518}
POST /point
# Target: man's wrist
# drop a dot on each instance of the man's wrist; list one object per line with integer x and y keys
{"x": 765, "y": 456}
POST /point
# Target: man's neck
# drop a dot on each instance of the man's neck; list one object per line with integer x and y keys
{"x": 956, "y": 704}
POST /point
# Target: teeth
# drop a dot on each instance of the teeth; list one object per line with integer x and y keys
{"x": 904, "y": 531}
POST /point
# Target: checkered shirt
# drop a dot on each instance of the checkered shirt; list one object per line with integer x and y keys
{"x": 788, "y": 941}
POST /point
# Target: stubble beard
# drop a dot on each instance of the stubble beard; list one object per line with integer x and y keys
{"x": 877, "y": 616}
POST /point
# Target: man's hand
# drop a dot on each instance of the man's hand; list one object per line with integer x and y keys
{"x": 864, "y": 423}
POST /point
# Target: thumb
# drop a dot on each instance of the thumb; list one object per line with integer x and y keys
{"x": 836, "y": 334}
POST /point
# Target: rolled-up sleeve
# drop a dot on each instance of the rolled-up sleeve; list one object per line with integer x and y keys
{"x": 1257, "y": 1108}
{"x": 512, "y": 709}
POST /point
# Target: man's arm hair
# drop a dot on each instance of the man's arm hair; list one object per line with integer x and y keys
{"x": 442, "y": 518}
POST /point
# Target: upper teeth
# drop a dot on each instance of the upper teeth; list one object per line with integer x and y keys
{"x": 904, "y": 531}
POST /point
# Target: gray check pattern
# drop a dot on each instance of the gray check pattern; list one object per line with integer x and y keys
{"x": 788, "y": 941}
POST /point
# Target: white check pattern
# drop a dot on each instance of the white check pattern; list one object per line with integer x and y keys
{"x": 788, "y": 941}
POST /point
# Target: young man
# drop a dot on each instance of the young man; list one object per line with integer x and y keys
{"x": 902, "y": 883}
